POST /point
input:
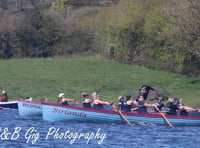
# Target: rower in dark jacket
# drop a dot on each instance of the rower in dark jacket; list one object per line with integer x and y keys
{"x": 128, "y": 104}
{"x": 98, "y": 103}
{"x": 159, "y": 104}
{"x": 86, "y": 100}
{"x": 121, "y": 103}
{"x": 142, "y": 106}
{"x": 171, "y": 107}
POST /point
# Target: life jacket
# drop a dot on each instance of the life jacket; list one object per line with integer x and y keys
{"x": 86, "y": 105}
{"x": 141, "y": 109}
{"x": 65, "y": 103}
{"x": 4, "y": 98}
{"x": 121, "y": 105}
{"x": 97, "y": 106}
{"x": 159, "y": 105}
{"x": 183, "y": 112}
{"x": 171, "y": 107}
{"x": 126, "y": 107}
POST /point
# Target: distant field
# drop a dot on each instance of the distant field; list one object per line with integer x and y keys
{"x": 45, "y": 78}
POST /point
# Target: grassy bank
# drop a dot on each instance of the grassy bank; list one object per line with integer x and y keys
{"x": 41, "y": 78}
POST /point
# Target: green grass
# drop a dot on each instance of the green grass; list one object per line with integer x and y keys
{"x": 41, "y": 78}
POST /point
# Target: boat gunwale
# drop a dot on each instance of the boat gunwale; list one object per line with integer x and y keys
{"x": 150, "y": 115}
{"x": 28, "y": 101}
{"x": 9, "y": 102}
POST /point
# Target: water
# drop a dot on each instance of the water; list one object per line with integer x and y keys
{"x": 33, "y": 132}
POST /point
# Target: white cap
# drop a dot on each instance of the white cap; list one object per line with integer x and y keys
{"x": 29, "y": 99}
{"x": 60, "y": 95}
{"x": 120, "y": 97}
{"x": 3, "y": 92}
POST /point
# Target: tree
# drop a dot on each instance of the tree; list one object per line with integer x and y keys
{"x": 19, "y": 4}
{"x": 35, "y": 2}
{"x": 3, "y": 4}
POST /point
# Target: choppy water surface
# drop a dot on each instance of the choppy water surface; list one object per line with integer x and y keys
{"x": 16, "y": 131}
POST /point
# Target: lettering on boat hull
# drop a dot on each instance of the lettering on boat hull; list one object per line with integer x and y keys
{"x": 68, "y": 112}
{"x": 28, "y": 105}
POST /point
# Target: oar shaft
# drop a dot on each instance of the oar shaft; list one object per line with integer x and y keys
{"x": 164, "y": 117}
{"x": 121, "y": 114}
{"x": 124, "y": 117}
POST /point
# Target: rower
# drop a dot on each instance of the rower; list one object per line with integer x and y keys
{"x": 98, "y": 103}
{"x": 128, "y": 103}
{"x": 121, "y": 102}
{"x": 64, "y": 101}
{"x": 172, "y": 106}
{"x": 159, "y": 104}
{"x": 86, "y": 100}
{"x": 185, "y": 109}
{"x": 142, "y": 106}
{"x": 4, "y": 96}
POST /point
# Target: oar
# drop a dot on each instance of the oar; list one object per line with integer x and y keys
{"x": 164, "y": 117}
{"x": 121, "y": 114}
{"x": 124, "y": 117}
